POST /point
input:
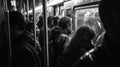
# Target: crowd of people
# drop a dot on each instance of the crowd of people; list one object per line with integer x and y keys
{"x": 93, "y": 44}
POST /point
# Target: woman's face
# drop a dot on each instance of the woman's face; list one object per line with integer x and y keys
{"x": 70, "y": 27}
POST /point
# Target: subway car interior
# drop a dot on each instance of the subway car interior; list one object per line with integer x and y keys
{"x": 59, "y": 33}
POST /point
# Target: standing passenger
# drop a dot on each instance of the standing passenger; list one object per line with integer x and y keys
{"x": 60, "y": 36}
{"x": 55, "y": 21}
{"x": 79, "y": 44}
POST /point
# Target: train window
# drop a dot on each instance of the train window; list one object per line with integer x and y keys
{"x": 81, "y": 15}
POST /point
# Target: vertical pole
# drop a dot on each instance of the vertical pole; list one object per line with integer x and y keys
{"x": 24, "y": 9}
{"x": 75, "y": 22}
{"x": 34, "y": 23}
{"x": 28, "y": 10}
{"x": 46, "y": 47}
{"x": 9, "y": 35}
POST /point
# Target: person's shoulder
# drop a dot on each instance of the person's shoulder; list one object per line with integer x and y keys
{"x": 63, "y": 38}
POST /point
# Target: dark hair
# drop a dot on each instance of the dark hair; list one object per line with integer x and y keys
{"x": 84, "y": 34}
{"x": 40, "y": 22}
{"x": 50, "y": 19}
{"x": 55, "y": 20}
{"x": 17, "y": 20}
{"x": 68, "y": 15}
{"x": 29, "y": 26}
{"x": 63, "y": 22}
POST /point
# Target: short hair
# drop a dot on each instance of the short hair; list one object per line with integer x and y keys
{"x": 64, "y": 21}
{"x": 50, "y": 18}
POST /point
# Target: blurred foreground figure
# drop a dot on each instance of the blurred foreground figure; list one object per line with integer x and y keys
{"x": 110, "y": 16}
{"x": 23, "y": 53}
{"x": 79, "y": 44}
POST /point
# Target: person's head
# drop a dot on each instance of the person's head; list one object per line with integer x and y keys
{"x": 50, "y": 21}
{"x": 109, "y": 11}
{"x": 55, "y": 20}
{"x": 81, "y": 39}
{"x": 31, "y": 17}
{"x": 40, "y": 22}
{"x": 30, "y": 27}
{"x": 66, "y": 24}
{"x": 17, "y": 23}
{"x": 84, "y": 34}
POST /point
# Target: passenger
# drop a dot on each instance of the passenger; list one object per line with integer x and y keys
{"x": 31, "y": 18}
{"x": 64, "y": 26}
{"x": 23, "y": 54}
{"x": 55, "y": 21}
{"x": 41, "y": 40}
{"x": 40, "y": 22}
{"x": 60, "y": 36}
{"x": 30, "y": 33}
{"x": 40, "y": 36}
{"x": 79, "y": 44}
{"x": 50, "y": 22}
{"x": 55, "y": 24}
{"x": 110, "y": 16}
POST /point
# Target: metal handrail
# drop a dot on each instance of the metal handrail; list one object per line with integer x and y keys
{"x": 8, "y": 29}
{"x": 34, "y": 23}
{"x": 46, "y": 46}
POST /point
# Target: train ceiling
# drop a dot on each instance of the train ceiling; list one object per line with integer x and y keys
{"x": 20, "y": 3}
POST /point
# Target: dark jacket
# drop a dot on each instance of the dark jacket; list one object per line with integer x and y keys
{"x": 58, "y": 40}
{"x": 23, "y": 53}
